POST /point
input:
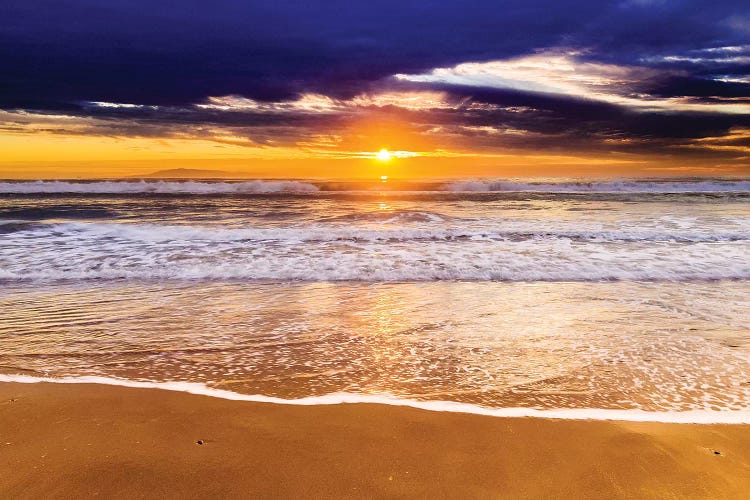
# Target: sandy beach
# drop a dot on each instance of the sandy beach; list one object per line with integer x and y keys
{"x": 74, "y": 441}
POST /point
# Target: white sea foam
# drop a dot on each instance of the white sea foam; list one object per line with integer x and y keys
{"x": 635, "y": 186}
{"x": 681, "y": 417}
{"x": 304, "y": 239}
{"x": 334, "y": 253}
{"x": 510, "y": 231}
{"x": 156, "y": 187}
{"x": 290, "y": 186}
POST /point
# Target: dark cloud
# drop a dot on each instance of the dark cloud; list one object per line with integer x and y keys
{"x": 690, "y": 86}
{"x": 57, "y": 56}
{"x": 168, "y": 53}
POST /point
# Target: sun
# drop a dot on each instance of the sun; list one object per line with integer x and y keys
{"x": 383, "y": 155}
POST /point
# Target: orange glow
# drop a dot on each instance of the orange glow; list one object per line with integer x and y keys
{"x": 383, "y": 155}
{"x": 344, "y": 153}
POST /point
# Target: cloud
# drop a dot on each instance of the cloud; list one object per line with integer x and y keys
{"x": 620, "y": 78}
{"x": 139, "y": 52}
{"x": 563, "y": 73}
{"x": 739, "y": 23}
{"x": 318, "y": 103}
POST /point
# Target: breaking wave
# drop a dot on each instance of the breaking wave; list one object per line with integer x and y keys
{"x": 634, "y": 186}
{"x": 390, "y": 217}
{"x": 322, "y": 233}
{"x": 75, "y": 250}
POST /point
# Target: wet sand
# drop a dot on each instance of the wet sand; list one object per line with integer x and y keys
{"x": 74, "y": 441}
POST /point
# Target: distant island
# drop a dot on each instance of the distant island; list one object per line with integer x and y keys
{"x": 185, "y": 173}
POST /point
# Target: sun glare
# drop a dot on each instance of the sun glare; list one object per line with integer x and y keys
{"x": 383, "y": 155}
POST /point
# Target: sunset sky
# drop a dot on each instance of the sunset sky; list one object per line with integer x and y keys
{"x": 316, "y": 89}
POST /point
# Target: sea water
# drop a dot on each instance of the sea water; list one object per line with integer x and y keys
{"x": 627, "y": 298}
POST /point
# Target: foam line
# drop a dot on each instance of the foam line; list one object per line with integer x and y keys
{"x": 290, "y": 186}
{"x": 322, "y": 233}
{"x": 632, "y": 186}
{"x": 676, "y": 417}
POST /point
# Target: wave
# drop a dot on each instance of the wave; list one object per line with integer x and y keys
{"x": 521, "y": 251}
{"x": 337, "y": 233}
{"x": 632, "y": 186}
{"x": 530, "y": 261}
{"x": 632, "y": 415}
{"x": 306, "y": 271}
{"x": 156, "y": 187}
{"x": 390, "y": 217}
{"x": 41, "y": 213}
{"x": 365, "y": 188}
{"x": 16, "y": 227}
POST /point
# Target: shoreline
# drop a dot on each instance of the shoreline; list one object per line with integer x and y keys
{"x": 701, "y": 417}
{"x": 72, "y": 440}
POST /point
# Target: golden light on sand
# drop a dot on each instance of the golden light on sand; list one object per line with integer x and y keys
{"x": 383, "y": 155}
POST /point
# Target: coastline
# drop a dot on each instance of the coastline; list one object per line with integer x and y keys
{"x": 734, "y": 417}
{"x": 78, "y": 440}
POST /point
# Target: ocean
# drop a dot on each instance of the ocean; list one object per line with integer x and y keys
{"x": 564, "y": 298}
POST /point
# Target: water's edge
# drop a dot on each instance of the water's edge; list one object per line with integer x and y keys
{"x": 734, "y": 417}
